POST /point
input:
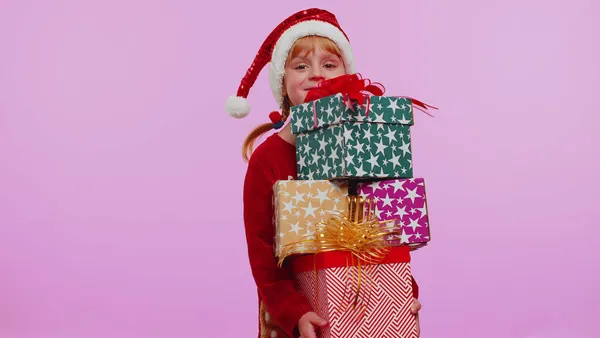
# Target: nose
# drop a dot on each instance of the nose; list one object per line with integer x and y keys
{"x": 316, "y": 74}
{"x": 316, "y": 78}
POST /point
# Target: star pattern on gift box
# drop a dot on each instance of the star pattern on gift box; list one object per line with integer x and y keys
{"x": 382, "y": 150}
{"x": 403, "y": 202}
{"x": 320, "y": 154}
{"x": 333, "y": 110}
{"x": 300, "y": 205}
{"x": 374, "y": 144}
{"x": 355, "y": 149}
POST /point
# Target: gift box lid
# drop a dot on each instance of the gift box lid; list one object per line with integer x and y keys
{"x": 339, "y": 258}
{"x": 337, "y": 108}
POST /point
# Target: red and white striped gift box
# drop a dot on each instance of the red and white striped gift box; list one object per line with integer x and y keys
{"x": 330, "y": 281}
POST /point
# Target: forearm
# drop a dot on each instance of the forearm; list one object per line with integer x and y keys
{"x": 276, "y": 286}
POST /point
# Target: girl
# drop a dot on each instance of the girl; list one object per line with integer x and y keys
{"x": 306, "y": 48}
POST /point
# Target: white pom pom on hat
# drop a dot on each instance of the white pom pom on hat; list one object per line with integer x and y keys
{"x": 275, "y": 49}
{"x": 237, "y": 107}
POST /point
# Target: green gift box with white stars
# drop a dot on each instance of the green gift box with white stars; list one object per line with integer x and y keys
{"x": 338, "y": 138}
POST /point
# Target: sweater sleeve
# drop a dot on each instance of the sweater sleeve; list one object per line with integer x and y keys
{"x": 415, "y": 287}
{"x": 276, "y": 286}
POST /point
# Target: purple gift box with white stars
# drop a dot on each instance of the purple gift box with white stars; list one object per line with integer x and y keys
{"x": 403, "y": 202}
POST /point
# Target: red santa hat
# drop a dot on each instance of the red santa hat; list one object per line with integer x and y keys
{"x": 276, "y": 47}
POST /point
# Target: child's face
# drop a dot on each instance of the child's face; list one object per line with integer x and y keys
{"x": 304, "y": 72}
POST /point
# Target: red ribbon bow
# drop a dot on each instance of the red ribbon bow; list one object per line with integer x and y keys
{"x": 352, "y": 86}
{"x": 353, "y": 89}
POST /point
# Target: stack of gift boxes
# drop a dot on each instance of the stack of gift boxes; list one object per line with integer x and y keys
{"x": 351, "y": 152}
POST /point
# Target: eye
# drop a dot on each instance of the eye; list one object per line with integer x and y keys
{"x": 300, "y": 67}
{"x": 330, "y": 65}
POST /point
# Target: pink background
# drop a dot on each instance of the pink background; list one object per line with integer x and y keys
{"x": 121, "y": 174}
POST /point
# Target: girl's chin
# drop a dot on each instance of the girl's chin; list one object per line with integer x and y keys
{"x": 293, "y": 103}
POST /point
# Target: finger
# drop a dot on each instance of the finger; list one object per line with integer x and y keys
{"x": 316, "y": 320}
{"x": 308, "y": 332}
{"x": 416, "y": 306}
{"x": 321, "y": 322}
{"x": 418, "y": 327}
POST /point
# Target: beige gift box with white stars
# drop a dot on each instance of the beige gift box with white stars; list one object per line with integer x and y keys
{"x": 299, "y": 205}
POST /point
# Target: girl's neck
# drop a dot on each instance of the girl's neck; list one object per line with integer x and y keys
{"x": 286, "y": 134}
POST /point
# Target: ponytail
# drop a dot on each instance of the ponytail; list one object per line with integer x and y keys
{"x": 248, "y": 146}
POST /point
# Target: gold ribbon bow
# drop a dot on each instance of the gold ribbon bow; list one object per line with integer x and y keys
{"x": 357, "y": 230}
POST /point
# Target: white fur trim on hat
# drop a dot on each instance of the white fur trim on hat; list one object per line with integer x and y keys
{"x": 287, "y": 40}
{"x": 237, "y": 107}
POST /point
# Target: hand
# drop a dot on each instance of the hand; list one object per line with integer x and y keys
{"x": 307, "y": 324}
{"x": 414, "y": 308}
